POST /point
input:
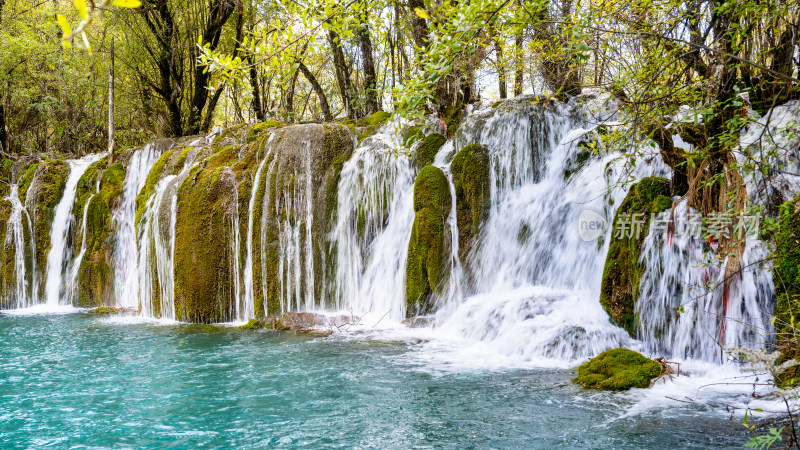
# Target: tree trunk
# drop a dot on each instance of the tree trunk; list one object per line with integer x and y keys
{"x": 219, "y": 13}
{"x": 370, "y": 79}
{"x": 501, "y": 69}
{"x": 111, "y": 107}
{"x": 323, "y": 101}
{"x": 518, "y": 61}
{"x": 419, "y": 28}
{"x": 342, "y": 74}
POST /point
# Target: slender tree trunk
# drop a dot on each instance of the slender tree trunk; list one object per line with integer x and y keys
{"x": 501, "y": 69}
{"x": 111, "y": 107}
{"x": 370, "y": 79}
{"x": 323, "y": 101}
{"x": 419, "y": 28}
{"x": 518, "y": 61}
{"x": 219, "y": 13}
{"x": 342, "y": 74}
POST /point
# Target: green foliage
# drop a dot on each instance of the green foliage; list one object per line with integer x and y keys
{"x": 765, "y": 440}
{"x": 616, "y": 370}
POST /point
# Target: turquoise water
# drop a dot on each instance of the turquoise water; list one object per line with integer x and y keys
{"x": 75, "y": 380}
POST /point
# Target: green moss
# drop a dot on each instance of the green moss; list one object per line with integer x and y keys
{"x": 427, "y": 250}
{"x": 411, "y": 135}
{"x": 427, "y": 149}
{"x": 453, "y": 116}
{"x": 623, "y": 271}
{"x": 378, "y": 118}
{"x": 252, "y": 324}
{"x": 106, "y": 310}
{"x": 786, "y": 272}
{"x": 203, "y": 258}
{"x": 616, "y": 370}
{"x": 470, "y": 168}
{"x": 156, "y": 173}
{"x": 256, "y": 130}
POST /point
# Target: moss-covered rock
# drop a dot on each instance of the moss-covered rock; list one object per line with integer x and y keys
{"x": 323, "y": 149}
{"x": 96, "y": 275}
{"x": 370, "y": 125}
{"x": 215, "y": 196}
{"x": 470, "y": 168}
{"x": 623, "y": 271}
{"x": 616, "y": 370}
{"x": 428, "y": 249}
{"x": 786, "y": 273}
{"x": 427, "y": 149}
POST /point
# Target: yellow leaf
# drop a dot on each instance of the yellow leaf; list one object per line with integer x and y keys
{"x": 127, "y": 3}
{"x": 64, "y": 24}
{"x": 80, "y": 5}
{"x": 422, "y": 13}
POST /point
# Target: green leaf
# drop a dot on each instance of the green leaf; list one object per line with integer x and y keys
{"x": 127, "y": 3}
{"x": 80, "y": 5}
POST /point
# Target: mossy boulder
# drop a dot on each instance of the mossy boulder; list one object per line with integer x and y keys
{"x": 470, "y": 168}
{"x": 617, "y": 370}
{"x": 427, "y": 149}
{"x": 428, "y": 248}
{"x": 623, "y": 271}
{"x": 786, "y": 273}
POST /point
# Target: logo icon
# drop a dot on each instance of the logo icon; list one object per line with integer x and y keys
{"x": 591, "y": 225}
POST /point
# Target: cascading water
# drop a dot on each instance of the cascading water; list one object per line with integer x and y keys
{"x": 126, "y": 281}
{"x": 452, "y": 291}
{"x": 60, "y": 255}
{"x": 75, "y": 267}
{"x": 156, "y": 246}
{"x": 374, "y": 218}
{"x": 25, "y": 291}
{"x": 246, "y": 305}
{"x": 536, "y": 281}
{"x": 686, "y": 306}
{"x": 296, "y": 213}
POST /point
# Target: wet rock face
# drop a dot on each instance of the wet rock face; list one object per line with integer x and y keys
{"x": 428, "y": 250}
{"x": 623, "y": 270}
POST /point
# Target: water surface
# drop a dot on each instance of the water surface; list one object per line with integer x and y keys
{"x": 77, "y": 380}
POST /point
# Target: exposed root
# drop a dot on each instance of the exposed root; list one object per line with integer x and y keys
{"x": 669, "y": 369}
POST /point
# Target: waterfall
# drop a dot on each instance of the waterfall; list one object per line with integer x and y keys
{"x": 75, "y": 268}
{"x": 156, "y": 246}
{"x": 60, "y": 255}
{"x": 126, "y": 282}
{"x": 684, "y": 308}
{"x": 536, "y": 287}
{"x": 246, "y": 310}
{"x": 375, "y": 212}
{"x": 25, "y": 292}
{"x": 294, "y": 208}
{"x": 453, "y": 290}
